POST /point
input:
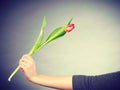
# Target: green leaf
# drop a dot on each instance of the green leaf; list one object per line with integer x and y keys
{"x": 70, "y": 21}
{"x": 58, "y": 32}
{"x": 44, "y": 23}
{"x": 39, "y": 39}
{"x": 41, "y": 35}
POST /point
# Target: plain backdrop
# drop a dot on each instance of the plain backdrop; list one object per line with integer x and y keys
{"x": 92, "y": 48}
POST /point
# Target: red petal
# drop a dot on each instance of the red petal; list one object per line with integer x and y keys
{"x": 70, "y": 27}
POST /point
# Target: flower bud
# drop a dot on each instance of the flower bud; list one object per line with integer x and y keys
{"x": 70, "y": 27}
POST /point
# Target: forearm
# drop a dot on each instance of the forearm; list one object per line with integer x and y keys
{"x": 27, "y": 65}
{"x": 58, "y": 82}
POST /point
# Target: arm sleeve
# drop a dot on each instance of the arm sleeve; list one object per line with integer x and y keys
{"x": 110, "y": 81}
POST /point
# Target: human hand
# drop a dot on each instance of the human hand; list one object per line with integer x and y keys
{"x": 27, "y": 65}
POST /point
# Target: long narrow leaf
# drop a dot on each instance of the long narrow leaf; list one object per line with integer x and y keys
{"x": 58, "y": 32}
{"x": 39, "y": 39}
{"x": 70, "y": 21}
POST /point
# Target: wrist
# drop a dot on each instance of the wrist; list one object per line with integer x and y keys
{"x": 33, "y": 79}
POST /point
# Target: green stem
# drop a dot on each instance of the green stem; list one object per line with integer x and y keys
{"x": 14, "y": 72}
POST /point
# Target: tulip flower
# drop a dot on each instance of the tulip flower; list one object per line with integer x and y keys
{"x": 57, "y": 33}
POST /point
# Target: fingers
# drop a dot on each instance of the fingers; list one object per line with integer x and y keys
{"x": 26, "y": 59}
{"x": 21, "y": 69}
{"x": 25, "y": 62}
{"x": 27, "y": 56}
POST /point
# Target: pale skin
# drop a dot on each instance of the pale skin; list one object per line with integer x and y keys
{"x": 28, "y": 67}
